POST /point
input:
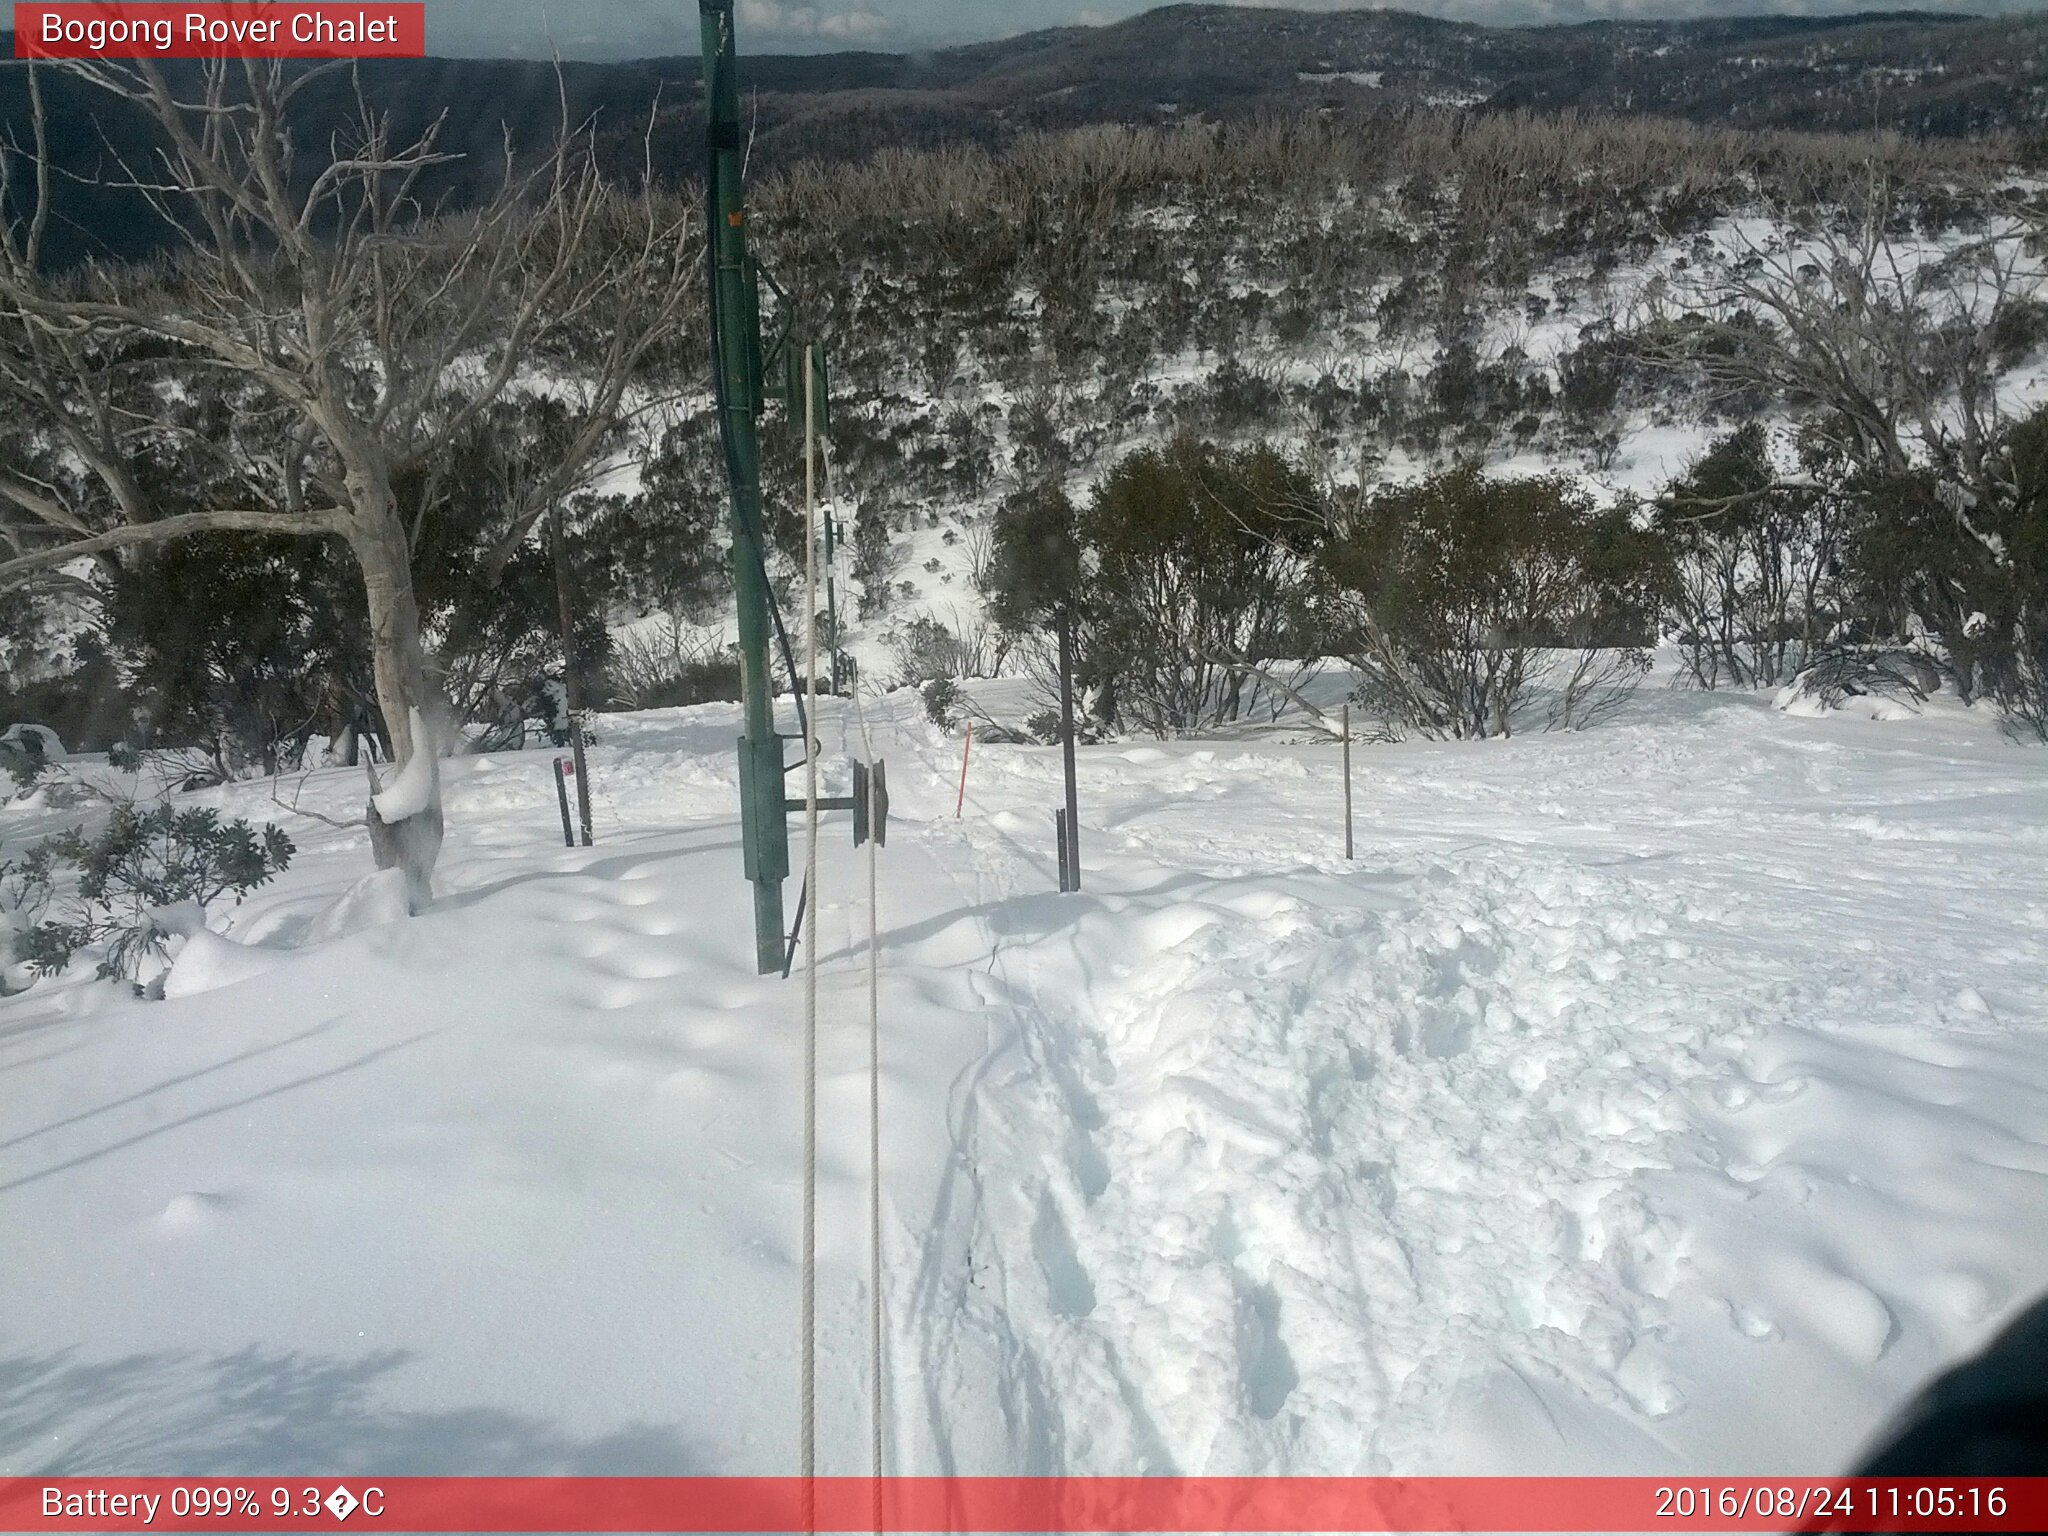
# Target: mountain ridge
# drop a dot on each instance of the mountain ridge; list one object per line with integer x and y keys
{"x": 1920, "y": 73}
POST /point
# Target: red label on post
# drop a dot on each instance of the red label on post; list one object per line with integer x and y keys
{"x": 216, "y": 31}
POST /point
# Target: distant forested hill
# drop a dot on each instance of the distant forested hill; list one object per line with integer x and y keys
{"x": 1920, "y": 74}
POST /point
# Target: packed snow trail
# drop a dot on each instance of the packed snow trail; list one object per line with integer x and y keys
{"x": 1541, "y": 1143}
{"x": 1673, "y": 1096}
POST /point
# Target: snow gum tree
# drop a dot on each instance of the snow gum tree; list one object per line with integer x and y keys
{"x": 364, "y": 331}
{"x": 1894, "y": 347}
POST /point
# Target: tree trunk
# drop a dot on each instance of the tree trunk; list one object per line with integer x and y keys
{"x": 377, "y": 539}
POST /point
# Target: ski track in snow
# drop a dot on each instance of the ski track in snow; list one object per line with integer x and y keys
{"x": 1673, "y": 1096}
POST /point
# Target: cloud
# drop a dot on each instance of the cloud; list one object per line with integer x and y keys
{"x": 858, "y": 24}
{"x": 1091, "y": 18}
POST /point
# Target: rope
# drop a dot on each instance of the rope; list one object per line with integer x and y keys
{"x": 878, "y": 1406}
{"x": 810, "y": 1275}
{"x": 875, "y": 1162}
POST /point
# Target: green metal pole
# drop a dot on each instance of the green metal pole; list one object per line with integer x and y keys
{"x": 735, "y": 321}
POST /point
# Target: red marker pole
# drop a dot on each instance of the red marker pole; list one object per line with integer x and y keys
{"x": 966, "y": 753}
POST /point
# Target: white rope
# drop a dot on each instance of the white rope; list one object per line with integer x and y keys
{"x": 810, "y": 941}
{"x": 876, "y": 1321}
{"x": 874, "y": 1151}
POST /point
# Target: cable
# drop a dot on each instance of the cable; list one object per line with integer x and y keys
{"x": 810, "y": 1371}
{"x": 729, "y": 442}
{"x": 878, "y": 1408}
{"x": 875, "y": 1161}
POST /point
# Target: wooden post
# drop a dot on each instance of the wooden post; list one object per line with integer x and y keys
{"x": 1347, "y": 781}
{"x": 966, "y": 753}
{"x": 1066, "y": 631}
{"x": 572, "y": 677}
{"x": 1059, "y": 832}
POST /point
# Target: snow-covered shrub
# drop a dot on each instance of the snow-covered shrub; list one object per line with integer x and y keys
{"x": 941, "y": 697}
{"x": 1842, "y": 673}
{"x": 27, "y": 753}
{"x": 24, "y": 896}
{"x": 1463, "y": 602}
{"x": 139, "y": 863}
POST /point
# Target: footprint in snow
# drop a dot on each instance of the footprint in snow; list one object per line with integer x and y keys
{"x": 1068, "y": 1287}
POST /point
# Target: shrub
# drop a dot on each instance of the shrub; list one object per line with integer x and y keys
{"x": 1198, "y": 562}
{"x": 941, "y": 697}
{"x": 1461, "y": 598}
{"x": 24, "y": 896}
{"x": 1752, "y": 563}
{"x": 875, "y": 559}
{"x": 672, "y": 665}
{"x": 24, "y": 756}
{"x": 139, "y": 863}
{"x": 927, "y": 647}
{"x": 1839, "y": 673}
{"x": 709, "y": 680}
{"x": 2022, "y": 691}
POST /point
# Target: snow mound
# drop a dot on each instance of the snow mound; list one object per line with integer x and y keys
{"x": 38, "y": 739}
{"x": 209, "y": 962}
{"x": 370, "y": 903}
{"x": 196, "y": 1211}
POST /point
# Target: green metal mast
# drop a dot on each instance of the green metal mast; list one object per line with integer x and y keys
{"x": 737, "y": 383}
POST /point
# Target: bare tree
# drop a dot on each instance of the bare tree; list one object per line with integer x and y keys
{"x": 364, "y": 328}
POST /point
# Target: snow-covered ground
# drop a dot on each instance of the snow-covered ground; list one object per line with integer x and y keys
{"x": 1668, "y": 1096}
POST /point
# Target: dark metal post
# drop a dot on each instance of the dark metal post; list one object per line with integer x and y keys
{"x": 1059, "y": 831}
{"x": 572, "y": 675}
{"x": 736, "y": 375}
{"x": 1073, "y": 837}
{"x": 562, "y": 794}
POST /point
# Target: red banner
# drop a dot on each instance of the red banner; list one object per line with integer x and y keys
{"x": 992, "y": 1504}
{"x": 217, "y": 31}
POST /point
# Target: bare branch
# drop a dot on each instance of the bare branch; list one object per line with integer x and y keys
{"x": 130, "y": 535}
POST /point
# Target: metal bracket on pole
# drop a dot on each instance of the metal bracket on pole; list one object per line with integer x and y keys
{"x": 871, "y": 804}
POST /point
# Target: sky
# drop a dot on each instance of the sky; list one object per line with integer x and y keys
{"x": 615, "y": 29}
